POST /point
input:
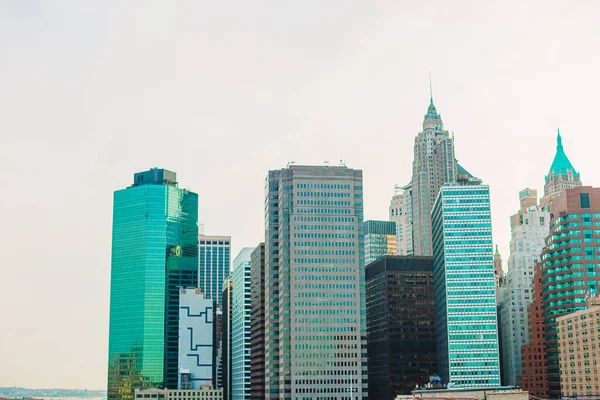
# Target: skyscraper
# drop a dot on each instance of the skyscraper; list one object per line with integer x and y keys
{"x": 570, "y": 265}
{"x": 400, "y": 212}
{"x": 561, "y": 176}
{"x": 217, "y": 347}
{"x": 214, "y": 255}
{"x": 195, "y": 339}
{"x": 400, "y": 325}
{"x": 314, "y": 283}
{"x": 498, "y": 272}
{"x": 434, "y": 164}
{"x": 226, "y": 328}
{"x": 257, "y": 323}
{"x": 154, "y": 252}
{"x": 464, "y": 281}
{"x": 380, "y": 239}
{"x": 534, "y": 378}
{"x": 240, "y": 325}
{"x": 529, "y": 227}
{"x": 575, "y": 333}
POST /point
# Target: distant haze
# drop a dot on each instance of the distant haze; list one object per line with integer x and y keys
{"x": 91, "y": 92}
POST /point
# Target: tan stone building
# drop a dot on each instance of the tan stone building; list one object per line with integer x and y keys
{"x": 400, "y": 212}
{"x": 492, "y": 393}
{"x": 206, "y": 392}
{"x": 434, "y": 164}
{"x": 579, "y": 351}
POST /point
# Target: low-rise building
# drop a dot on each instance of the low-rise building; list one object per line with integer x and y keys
{"x": 579, "y": 351}
{"x": 484, "y": 393}
{"x": 205, "y": 392}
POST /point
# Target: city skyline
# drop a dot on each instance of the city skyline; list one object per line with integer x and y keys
{"x": 86, "y": 95}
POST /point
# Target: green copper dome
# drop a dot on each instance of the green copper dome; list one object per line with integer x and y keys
{"x": 561, "y": 163}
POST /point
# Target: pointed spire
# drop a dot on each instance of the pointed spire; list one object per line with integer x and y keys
{"x": 497, "y": 252}
{"x": 561, "y": 163}
{"x": 430, "y": 91}
{"x": 559, "y": 141}
{"x": 431, "y": 111}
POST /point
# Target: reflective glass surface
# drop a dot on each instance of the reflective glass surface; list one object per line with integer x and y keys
{"x": 155, "y": 237}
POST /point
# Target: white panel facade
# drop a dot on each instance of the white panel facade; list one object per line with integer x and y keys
{"x": 195, "y": 339}
{"x": 528, "y": 231}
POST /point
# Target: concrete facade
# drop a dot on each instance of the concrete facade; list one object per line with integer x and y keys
{"x": 400, "y": 212}
{"x": 529, "y": 228}
{"x": 434, "y": 164}
{"x": 206, "y": 392}
{"x": 490, "y": 393}
{"x": 314, "y": 284}
{"x": 579, "y": 351}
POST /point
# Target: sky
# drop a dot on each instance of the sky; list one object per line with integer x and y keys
{"x": 221, "y": 92}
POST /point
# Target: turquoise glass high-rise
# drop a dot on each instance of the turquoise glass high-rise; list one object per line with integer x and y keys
{"x": 154, "y": 252}
{"x": 464, "y": 291}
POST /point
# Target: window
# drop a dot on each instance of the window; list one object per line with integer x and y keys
{"x": 584, "y": 200}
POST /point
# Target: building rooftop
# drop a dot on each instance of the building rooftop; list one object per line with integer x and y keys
{"x": 561, "y": 163}
{"x": 592, "y": 303}
{"x": 155, "y": 176}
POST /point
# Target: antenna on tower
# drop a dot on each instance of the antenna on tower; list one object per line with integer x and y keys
{"x": 430, "y": 89}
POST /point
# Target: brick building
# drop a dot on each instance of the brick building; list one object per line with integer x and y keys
{"x": 533, "y": 371}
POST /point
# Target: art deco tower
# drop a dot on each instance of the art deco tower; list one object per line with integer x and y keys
{"x": 562, "y": 175}
{"x": 529, "y": 228}
{"x": 434, "y": 164}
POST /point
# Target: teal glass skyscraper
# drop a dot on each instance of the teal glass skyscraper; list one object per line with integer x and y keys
{"x": 464, "y": 292}
{"x": 154, "y": 252}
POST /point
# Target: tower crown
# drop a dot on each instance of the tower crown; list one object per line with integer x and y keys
{"x": 561, "y": 163}
{"x": 432, "y": 119}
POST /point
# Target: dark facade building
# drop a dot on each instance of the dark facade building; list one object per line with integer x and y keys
{"x": 401, "y": 339}
{"x": 570, "y": 265}
{"x": 257, "y": 324}
{"x": 226, "y": 339}
{"x": 217, "y": 346}
{"x": 533, "y": 370}
{"x": 154, "y": 253}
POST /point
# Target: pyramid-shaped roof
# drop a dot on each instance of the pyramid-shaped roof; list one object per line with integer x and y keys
{"x": 561, "y": 162}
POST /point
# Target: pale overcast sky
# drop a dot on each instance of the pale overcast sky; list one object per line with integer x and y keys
{"x": 221, "y": 92}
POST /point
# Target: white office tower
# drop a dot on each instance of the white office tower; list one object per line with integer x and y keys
{"x": 529, "y": 228}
